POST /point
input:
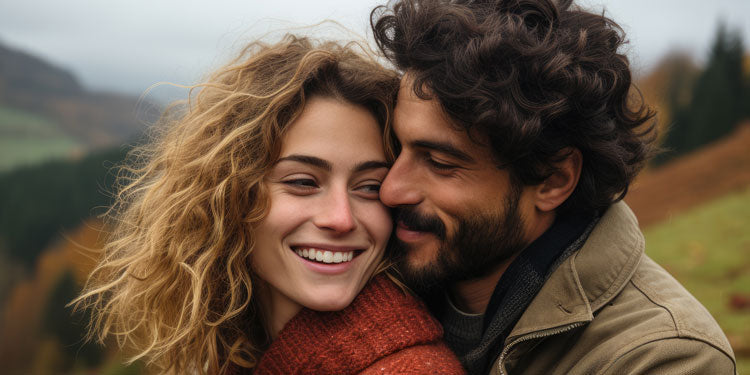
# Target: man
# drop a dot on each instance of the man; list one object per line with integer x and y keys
{"x": 519, "y": 134}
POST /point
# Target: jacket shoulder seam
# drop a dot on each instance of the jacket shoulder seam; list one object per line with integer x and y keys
{"x": 654, "y": 338}
{"x": 680, "y": 330}
{"x": 675, "y": 322}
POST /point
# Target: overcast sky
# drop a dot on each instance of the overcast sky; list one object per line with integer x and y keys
{"x": 128, "y": 45}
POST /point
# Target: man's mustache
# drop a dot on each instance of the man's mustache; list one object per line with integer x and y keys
{"x": 416, "y": 221}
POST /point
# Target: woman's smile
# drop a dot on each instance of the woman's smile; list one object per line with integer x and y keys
{"x": 327, "y": 254}
{"x": 326, "y": 230}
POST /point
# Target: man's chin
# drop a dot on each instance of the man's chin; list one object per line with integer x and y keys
{"x": 420, "y": 258}
{"x": 423, "y": 274}
{"x": 421, "y": 253}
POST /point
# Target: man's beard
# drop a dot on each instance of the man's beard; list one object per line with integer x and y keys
{"x": 481, "y": 242}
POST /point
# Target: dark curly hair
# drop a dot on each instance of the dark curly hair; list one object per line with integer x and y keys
{"x": 536, "y": 77}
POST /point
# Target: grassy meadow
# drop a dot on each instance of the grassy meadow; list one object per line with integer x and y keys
{"x": 27, "y": 138}
{"x": 708, "y": 250}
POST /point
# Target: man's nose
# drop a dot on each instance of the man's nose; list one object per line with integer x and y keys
{"x": 400, "y": 186}
{"x": 336, "y": 213}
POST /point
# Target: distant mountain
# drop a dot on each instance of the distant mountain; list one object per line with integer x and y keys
{"x": 23, "y": 76}
{"x": 95, "y": 120}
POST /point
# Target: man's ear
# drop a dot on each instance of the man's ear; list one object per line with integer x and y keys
{"x": 551, "y": 193}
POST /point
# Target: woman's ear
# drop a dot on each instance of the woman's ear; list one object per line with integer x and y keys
{"x": 551, "y": 193}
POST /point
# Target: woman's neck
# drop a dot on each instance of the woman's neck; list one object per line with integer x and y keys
{"x": 277, "y": 309}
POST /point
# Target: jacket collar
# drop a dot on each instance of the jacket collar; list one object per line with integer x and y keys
{"x": 588, "y": 279}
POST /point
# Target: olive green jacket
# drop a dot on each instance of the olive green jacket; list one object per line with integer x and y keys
{"x": 610, "y": 309}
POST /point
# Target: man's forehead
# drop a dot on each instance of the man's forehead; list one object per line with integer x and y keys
{"x": 410, "y": 107}
{"x": 406, "y": 92}
{"x": 424, "y": 116}
{"x": 420, "y": 122}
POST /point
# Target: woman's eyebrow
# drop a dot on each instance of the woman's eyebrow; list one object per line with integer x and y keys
{"x": 307, "y": 159}
{"x": 326, "y": 165}
{"x": 371, "y": 164}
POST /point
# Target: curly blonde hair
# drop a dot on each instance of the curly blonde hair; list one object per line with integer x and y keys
{"x": 174, "y": 282}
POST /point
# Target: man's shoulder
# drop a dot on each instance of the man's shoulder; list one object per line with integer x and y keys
{"x": 655, "y": 314}
{"x": 609, "y": 308}
{"x": 621, "y": 282}
{"x": 623, "y": 313}
{"x": 676, "y": 311}
{"x": 688, "y": 316}
{"x": 652, "y": 325}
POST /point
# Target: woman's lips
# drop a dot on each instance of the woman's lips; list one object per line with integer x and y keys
{"x": 327, "y": 259}
{"x": 324, "y": 255}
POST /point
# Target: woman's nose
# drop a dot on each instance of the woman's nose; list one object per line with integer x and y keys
{"x": 336, "y": 213}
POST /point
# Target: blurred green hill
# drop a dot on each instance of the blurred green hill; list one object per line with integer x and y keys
{"x": 27, "y": 138}
{"x": 707, "y": 249}
{"x": 45, "y": 113}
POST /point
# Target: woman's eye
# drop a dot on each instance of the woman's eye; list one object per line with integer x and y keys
{"x": 375, "y": 188}
{"x": 370, "y": 191}
{"x": 303, "y": 183}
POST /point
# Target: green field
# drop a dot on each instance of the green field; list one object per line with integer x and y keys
{"x": 27, "y": 138}
{"x": 708, "y": 250}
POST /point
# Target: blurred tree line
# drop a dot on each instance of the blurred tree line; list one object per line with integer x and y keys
{"x": 68, "y": 329}
{"x": 41, "y": 202}
{"x": 717, "y": 102}
{"x": 38, "y": 205}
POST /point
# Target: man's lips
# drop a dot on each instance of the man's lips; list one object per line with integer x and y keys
{"x": 407, "y": 234}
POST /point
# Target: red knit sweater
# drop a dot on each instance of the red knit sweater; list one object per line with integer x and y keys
{"x": 383, "y": 331}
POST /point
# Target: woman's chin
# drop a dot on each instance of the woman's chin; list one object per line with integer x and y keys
{"x": 333, "y": 302}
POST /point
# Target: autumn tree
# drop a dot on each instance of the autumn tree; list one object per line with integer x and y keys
{"x": 718, "y": 101}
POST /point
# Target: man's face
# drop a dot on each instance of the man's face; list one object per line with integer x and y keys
{"x": 458, "y": 216}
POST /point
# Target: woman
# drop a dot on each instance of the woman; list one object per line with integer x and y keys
{"x": 246, "y": 230}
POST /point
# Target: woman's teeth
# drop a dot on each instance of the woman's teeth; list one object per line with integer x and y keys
{"x": 324, "y": 256}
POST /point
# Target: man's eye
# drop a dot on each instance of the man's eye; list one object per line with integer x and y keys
{"x": 438, "y": 165}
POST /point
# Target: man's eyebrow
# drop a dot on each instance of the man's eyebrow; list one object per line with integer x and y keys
{"x": 307, "y": 159}
{"x": 372, "y": 164}
{"x": 445, "y": 148}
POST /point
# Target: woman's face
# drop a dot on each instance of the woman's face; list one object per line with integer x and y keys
{"x": 326, "y": 230}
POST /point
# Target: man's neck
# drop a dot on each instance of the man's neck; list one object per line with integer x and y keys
{"x": 472, "y": 296}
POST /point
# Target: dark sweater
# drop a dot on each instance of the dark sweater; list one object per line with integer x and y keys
{"x": 479, "y": 339}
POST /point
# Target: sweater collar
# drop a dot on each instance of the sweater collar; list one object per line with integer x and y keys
{"x": 381, "y": 320}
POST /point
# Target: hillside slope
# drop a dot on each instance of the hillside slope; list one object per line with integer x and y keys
{"x": 715, "y": 170}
